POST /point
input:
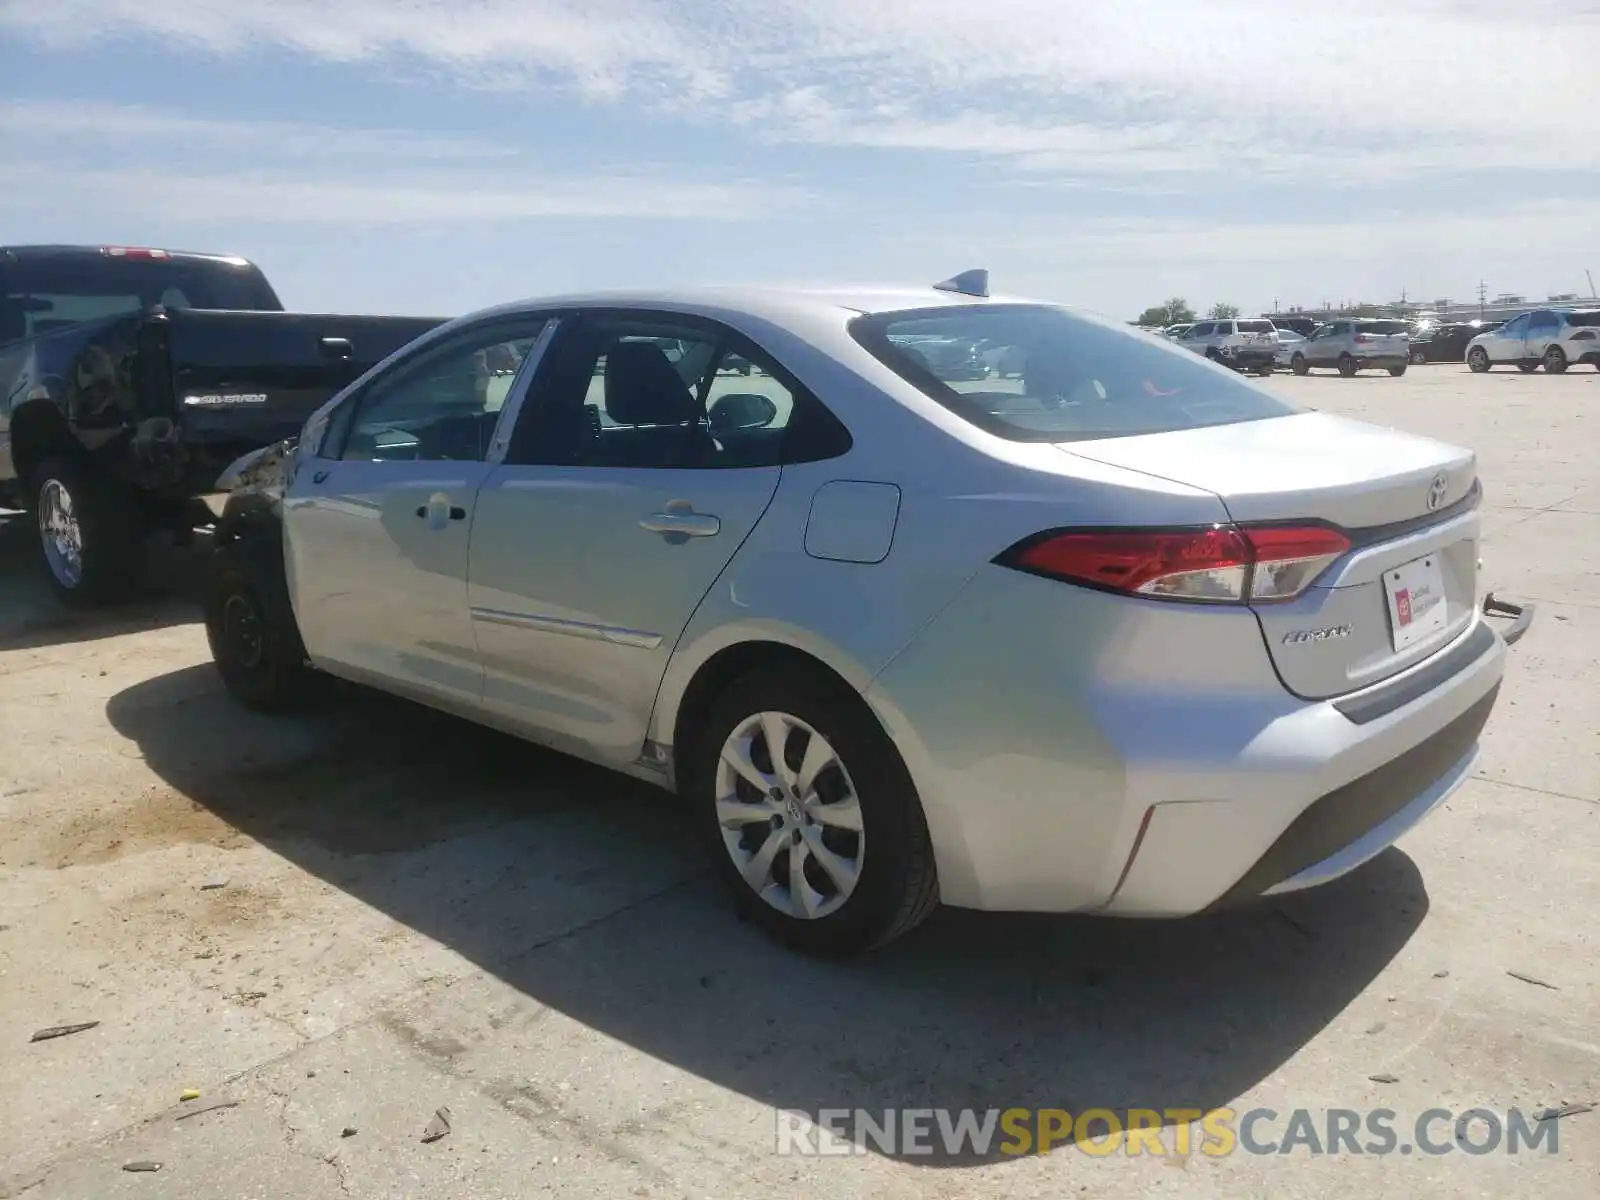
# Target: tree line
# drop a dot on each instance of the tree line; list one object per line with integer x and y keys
{"x": 1176, "y": 311}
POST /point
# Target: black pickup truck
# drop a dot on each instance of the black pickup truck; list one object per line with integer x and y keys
{"x": 129, "y": 378}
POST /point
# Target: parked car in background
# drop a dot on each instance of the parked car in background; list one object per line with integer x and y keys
{"x": 1298, "y": 670}
{"x": 1448, "y": 343}
{"x": 952, "y": 358}
{"x": 1247, "y": 344}
{"x": 1177, "y": 331}
{"x": 1355, "y": 344}
{"x": 130, "y": 377}
{"x": 1302, "y": 325}
{"x": 1552, "y": 338}
{"x": 1288, "y": 339}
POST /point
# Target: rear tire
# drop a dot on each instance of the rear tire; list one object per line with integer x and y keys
{"x": 91, "y": 534}
{"x": 255, "y": 643}
{"x": 1418, "y": 356}
{"x": 1555, "y": 361}
{"x": 887, "y": 858}
{"x": 1299, "y": 366}
{"x": 1478, "y": 360}
{"x": 1398, "y": 371}
{"x": 1348, "y": 366}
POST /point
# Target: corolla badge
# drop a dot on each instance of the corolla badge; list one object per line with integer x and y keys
{"x": 1306, "y": 637}
{"x": 1437, "y": 491}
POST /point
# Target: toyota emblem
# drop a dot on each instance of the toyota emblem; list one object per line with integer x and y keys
{"x": 1437, "y": 490}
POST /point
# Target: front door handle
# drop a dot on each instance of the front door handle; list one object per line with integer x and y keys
{"x": 679, "y": 522}
{"x": 456, "y": 512}
{"x": 337, "y": 347}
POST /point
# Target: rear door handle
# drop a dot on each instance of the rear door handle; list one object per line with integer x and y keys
{"x": 680, "y": 522}
{"x": 457, "y": 513}
{"x": 337, "y": 347}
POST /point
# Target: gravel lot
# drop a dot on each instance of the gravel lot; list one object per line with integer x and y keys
{"x": 415, "y": 914}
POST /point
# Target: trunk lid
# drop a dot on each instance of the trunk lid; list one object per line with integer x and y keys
{"x": 1407, "y": 587}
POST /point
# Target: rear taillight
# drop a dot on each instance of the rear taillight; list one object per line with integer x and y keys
{"x": 1363, "y": 338}
{"x": 1221, "y": 564}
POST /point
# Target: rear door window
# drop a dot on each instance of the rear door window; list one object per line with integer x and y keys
{"x": 1586, "y": 320}
{"x": 1078, "y": 378}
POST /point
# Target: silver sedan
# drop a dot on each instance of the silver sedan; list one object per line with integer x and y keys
{"x": 1117, "y": 631}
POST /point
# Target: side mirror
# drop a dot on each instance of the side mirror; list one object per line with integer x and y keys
{"x": 742, "y": 410}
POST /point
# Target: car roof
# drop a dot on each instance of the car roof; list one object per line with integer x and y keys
{"x": 45, "y": 253}
{"x": 778, "y": 304}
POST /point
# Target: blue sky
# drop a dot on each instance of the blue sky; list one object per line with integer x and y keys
{"x": 433, "y": 156}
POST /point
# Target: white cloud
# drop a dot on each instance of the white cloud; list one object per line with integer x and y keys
{"x": 60, "y": 157}
{"x": 1364, "y": 88}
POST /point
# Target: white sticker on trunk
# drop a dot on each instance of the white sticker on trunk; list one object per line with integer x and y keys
{"x": 1415, "y": 592}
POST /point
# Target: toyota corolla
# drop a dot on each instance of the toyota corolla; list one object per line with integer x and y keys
{"x": 1117, "y": 631}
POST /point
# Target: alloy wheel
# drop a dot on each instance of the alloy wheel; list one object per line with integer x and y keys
{"x": 790, "y": 815}
{"x": 61, "y": 532}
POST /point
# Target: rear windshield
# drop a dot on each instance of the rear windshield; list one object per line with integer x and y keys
{"x": 1255, "y": 327}
{"x": 1587, "y": 319}
{"x": 1034, "y": 373}
{"x": 40, "y": 295}
{"x": 1381, "y": 327}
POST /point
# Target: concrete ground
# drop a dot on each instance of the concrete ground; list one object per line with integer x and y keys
{"x": 346, "y": 921}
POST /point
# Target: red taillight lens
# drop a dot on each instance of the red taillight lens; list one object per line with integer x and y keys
{"x": 1204, "y": 564}
{"x": 1218, "y": 565}
{"x": 1288, "y": 558}
{"x": 1363, "y": 338}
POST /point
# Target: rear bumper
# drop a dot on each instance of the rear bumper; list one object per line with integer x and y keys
{"x": 1248, "y": 357}
{"x": 1383, "y": 360}
{"x": 1084, "y": 752}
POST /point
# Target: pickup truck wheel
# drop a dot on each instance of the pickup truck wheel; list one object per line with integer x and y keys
{"x": 254, "y": 641}
{"x": 1299, "y": 365}
{"x": 1398, "y": 371}
{"x": 1348, "y": 366}
{"x": 1555, "y": 360}
{"x": 91, "y": 536}
{"x": 1418, "y": 355}
{"x": 810, "y": 815}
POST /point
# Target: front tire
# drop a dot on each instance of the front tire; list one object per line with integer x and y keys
{"x": 1418, "y": 356}
{"x": 810, "y": 813}
{"x": 1478, "y": 360}
{"x": 255, "y": 643}
{"x": 91, "y": 534}
{"x": 1348, "y": 366}
{"x": 1299, "y": 365}
{"x": 1398, "y": 371}
{"x": 1555, "y": 361}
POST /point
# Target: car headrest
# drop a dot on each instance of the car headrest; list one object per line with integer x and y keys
{"x": 643, "y": 387}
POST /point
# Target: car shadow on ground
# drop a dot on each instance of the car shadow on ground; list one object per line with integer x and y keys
{"x": 970, "y": 1011}
{"x": 31, "y": 616}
